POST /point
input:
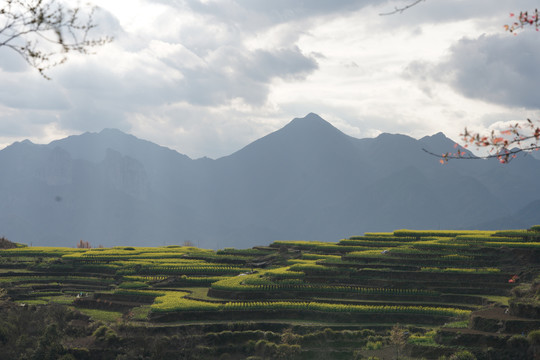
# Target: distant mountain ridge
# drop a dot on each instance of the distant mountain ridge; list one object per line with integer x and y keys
{"x": 307, "y": 180}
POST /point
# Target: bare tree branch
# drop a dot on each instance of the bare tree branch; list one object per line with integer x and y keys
{"x": 462, "y": 155}
{"x": 43, "y": 32}
{"x": 524, "y": 19}
{"x": 402, "y": 9}
{"x": 503, "y": 145}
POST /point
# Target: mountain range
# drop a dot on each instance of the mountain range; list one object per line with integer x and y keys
{"x": 306, "y": 181}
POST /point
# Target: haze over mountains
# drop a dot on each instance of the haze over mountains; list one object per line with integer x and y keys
{"x": 306, "y": 181}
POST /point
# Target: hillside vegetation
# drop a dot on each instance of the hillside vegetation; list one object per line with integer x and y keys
{"x": 412, "y": 294}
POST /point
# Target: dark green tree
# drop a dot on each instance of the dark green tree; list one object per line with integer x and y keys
{"x": 398, "y": 337}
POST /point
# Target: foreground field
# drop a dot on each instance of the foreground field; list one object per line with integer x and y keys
{"x": 418, "y": 294}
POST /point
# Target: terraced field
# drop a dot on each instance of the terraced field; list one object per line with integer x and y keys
{"x": 425, "y": 294}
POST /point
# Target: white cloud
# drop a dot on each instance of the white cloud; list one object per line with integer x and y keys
{"x": 207, "y": 77}
{"x": 495, "y": 68}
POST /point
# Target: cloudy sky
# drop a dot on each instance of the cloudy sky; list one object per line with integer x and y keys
{"x": 207, "y": 77}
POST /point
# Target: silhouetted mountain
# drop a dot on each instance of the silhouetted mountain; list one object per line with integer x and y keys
{"x": 521, "y": 219}
{"x": 307, "y": 181}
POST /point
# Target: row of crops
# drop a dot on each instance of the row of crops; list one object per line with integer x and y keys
{"x": 390, "y": 267}
{"x": 257, "y": 283}
{"x": 170, "y": 301}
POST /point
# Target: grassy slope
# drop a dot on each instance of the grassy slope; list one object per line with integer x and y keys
{"x": 391, "y": 278}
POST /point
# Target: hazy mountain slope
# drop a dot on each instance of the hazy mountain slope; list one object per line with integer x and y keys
{"x": 307, "y": 180}
{"x": 93, "y": 147}
{"x": 283, "y": 179}
{"x": 521, "y": 219}
{"x": 49, "y": 197}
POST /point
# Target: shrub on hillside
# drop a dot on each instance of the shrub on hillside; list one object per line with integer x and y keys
{"x": 6, "y": 244}
{"x": 104, "y": 333}
{"x": 462, "y": 355}
{"x": 534, "y": 337}
{"x": 518, "y": 342}
{"x": 373, "y": 345}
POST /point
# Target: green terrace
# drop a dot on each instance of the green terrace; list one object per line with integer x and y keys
{"x": 421, "y": 279}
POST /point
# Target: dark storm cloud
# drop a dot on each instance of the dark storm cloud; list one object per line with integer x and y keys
{"x": 206, "y": 63}
{"x": 501, "y": 69}
{"x": 239, "y": 19}
{"x": 17, "y": 125}
{"x": 103, "y": 97}
{"x": 38, "y": 93}
{"x": 238, "y": 73}
{"x": 285, "y": 10}
{"x": 107, "y": 25}
{"x": 279, "y": 10}
{"x": 173, "y": 64}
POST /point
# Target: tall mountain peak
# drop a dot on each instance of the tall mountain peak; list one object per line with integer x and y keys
{"x": 311, "y": 118}
{"x": 307, "y": 180}
{"x": 93, "y": 146}
{"x": 309, "y": 123}
{"x": 440, "y": 143}
{"x": 310, "y": 134}
{"x": 312, "y": 127}
{"x": 112, "y": 131}
{"x": 440, "y": 136}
